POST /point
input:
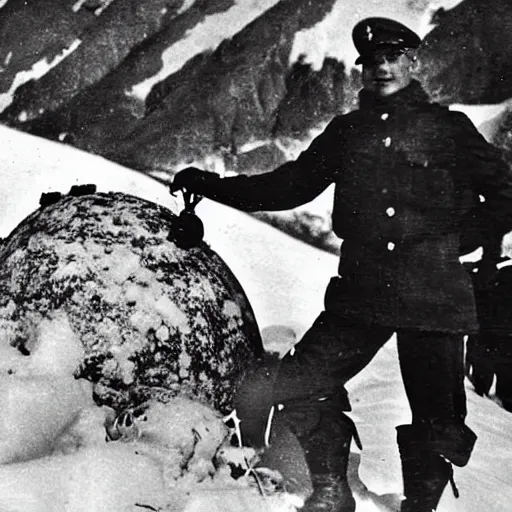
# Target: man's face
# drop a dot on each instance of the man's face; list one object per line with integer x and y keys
{"x": 386, "y": 72}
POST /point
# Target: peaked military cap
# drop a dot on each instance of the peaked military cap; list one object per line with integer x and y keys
{"x": 372, "y": 34}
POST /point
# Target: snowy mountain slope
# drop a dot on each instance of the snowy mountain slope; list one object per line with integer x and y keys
{"x": 97, "y": 94}
{"x": 251, "y": 249}
{"x": 31, "y": 166}
{"x": 379, "y": 404}
{"x": 108, "y": 31}
{"x": 284, "y": 280}
{"x": 217, "y": 67}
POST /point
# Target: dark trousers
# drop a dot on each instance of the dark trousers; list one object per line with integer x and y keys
{"x": 311, "y": 380}
{"x": 489, "y": 354}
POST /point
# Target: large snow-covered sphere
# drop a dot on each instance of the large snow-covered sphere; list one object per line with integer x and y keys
{"x": 151, "y": 317}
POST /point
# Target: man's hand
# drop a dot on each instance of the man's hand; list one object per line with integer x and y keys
{"x": 192, "y": 180}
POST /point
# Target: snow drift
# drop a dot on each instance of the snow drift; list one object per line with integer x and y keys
{"x": 284, "y": 280}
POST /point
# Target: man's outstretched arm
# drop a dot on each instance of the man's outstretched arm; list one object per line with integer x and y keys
{"x": 290, "y": 185}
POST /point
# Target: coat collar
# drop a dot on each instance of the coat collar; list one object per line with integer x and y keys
{"x": 413, "y": 94}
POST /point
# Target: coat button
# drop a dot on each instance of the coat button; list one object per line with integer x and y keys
{"x": 391, "y": 246}
{"x": 384, "y": 116}
{"x": 390, "y": 211}
{"x": 387, "y": 142}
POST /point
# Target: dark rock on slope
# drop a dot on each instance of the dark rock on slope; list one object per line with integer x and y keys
{"x": 244, "y": 91}
{"x": 36, "y": 29}
{"x": 501, "y": 134}
{"x": 222, "y": 100}
{"x": 120, "y": 29}
{"x": 466, "y": 57}
{"x": 311, "y": 97}
{"x": 97, "y": 113}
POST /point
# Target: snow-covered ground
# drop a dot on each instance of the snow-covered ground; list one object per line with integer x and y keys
{"x": 284, "y": 280}
{"x": 31, "y": 166}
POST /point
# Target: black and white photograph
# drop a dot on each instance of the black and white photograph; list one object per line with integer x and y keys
{"x": 255, "y": 255}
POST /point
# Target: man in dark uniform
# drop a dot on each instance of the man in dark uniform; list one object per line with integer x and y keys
{"x": 406, "y": 173}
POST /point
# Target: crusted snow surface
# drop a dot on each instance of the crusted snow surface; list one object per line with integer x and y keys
{"x": 172, "y": 456}
{"x": 147, "y": 314}
{"x": 39, "y": 396}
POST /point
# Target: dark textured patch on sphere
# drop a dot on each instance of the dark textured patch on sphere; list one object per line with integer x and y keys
{"x": 152, "y": 318}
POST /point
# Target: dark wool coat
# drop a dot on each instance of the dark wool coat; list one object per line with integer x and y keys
{"x": 407, "y": 172}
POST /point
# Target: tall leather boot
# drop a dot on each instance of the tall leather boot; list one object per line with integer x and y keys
{"x": 309, "y": 445}
{"x": 425, "y": 473}
{"x": 327, "y": 451}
